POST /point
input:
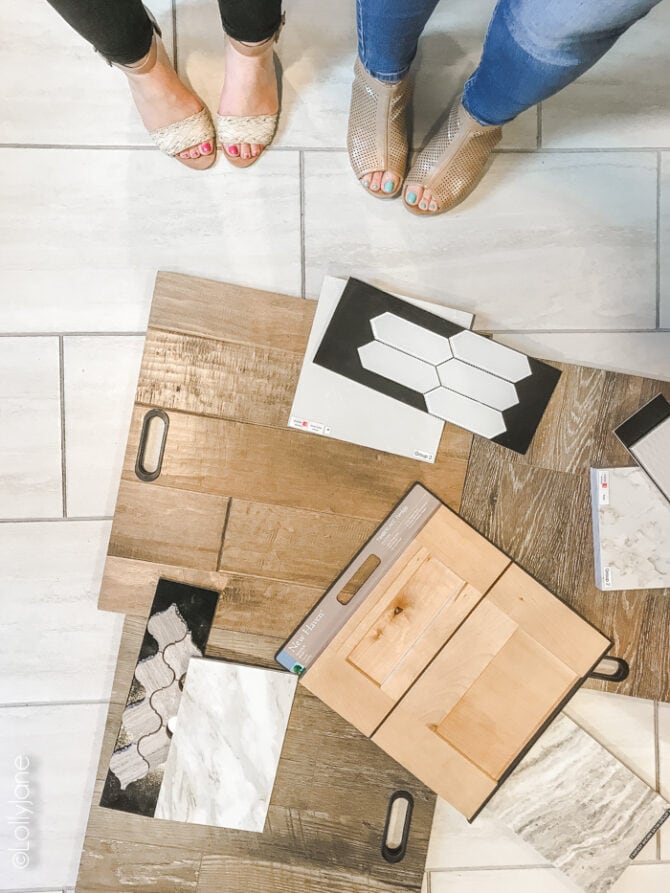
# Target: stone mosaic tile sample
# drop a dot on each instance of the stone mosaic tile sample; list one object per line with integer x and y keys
{"x": 177, "y": 629}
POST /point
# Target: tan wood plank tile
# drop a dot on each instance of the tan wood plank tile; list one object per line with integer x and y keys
{"x": 286, "y": 543}
{"x": 194, "y": 306}
{"x": 284, "y": 467}
{"x": 170, "y": 526}
{"x": 247, "y": 382}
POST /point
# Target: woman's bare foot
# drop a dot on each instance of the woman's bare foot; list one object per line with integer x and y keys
{"x": 162, "y": 99}
{"x": 249, "y": 88}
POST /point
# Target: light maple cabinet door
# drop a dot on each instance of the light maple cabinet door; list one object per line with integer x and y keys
{"x": 405, "y": 620}
{"x": 490, "y": 690}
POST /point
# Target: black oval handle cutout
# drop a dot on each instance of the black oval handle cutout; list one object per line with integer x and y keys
{"x": 151, "y": 448}
{"x": 611, "y": 669}
{"x": 396, "y": 829}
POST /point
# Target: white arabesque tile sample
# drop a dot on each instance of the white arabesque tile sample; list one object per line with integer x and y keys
{"x": 226, "y": 747}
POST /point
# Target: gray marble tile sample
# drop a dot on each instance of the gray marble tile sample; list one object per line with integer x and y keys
{"x": 631, "y": 530}
{"x": 579, "y": 806}
{"x": 226, "y": 746}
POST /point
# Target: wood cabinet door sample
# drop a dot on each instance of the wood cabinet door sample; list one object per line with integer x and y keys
{"x": 491, "y": 689}
{"x": 405, "y": 620}
{"x": 454, "y": 659}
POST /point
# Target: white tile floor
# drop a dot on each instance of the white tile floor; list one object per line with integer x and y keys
{"x": 564, "y": 251}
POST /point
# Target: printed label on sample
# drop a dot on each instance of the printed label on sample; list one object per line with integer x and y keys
{"x": 603, "y": 488}
{"x": 607, "y": 577}
{"x": 424, "y": 456}
{"x": 647, "y": 837}
{"x": 307, "y": 425}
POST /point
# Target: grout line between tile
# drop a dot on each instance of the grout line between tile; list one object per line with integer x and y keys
{"x": 530, "y": 150}
{"x": 72, "y": 334}
{"x": 97, "y": 147}
{"x": 640, "y": 331}
{"x": 58, "y": 519}
{"x": 12, "y": 706}
{"x": 63, "y": 463}
{"x": 303, "y": 272}
{"x": 658, "y": 240}
{"x": 451, "y": 869}
{"x": 657, "y": 767}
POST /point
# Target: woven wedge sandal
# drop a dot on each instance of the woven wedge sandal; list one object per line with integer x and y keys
{"x": 233, "y": 130}
{"x": 454, "y": 160}
{"x": 377, "y": 138}
{"x": 181, "y": 135}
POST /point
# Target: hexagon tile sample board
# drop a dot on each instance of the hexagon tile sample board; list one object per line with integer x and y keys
{"x": 432, "y": 364}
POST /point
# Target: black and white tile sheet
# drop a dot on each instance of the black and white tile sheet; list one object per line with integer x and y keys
{"x": 430, "y": 363}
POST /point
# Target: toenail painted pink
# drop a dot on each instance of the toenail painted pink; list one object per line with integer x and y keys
{"x": 184, "y": 155}
{"x": 206, "y": 148}
{"x": 233, "y": 150}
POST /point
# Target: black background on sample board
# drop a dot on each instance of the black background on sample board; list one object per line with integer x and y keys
{"x": 197, "y": 607}
{"x": 350, "y": 328}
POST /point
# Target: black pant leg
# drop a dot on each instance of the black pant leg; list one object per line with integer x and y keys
{"x": 119, "y": 29}
{"x": 250, "y": 20}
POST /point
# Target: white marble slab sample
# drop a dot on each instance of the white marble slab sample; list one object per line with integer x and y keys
{"x": 225, "y": 750}
{"x": 631, "y": 530}
{"x": 579, "y": 806}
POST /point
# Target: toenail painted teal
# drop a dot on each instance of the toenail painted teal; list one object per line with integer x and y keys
{"x": 411, "y": 198}
{"x": 366, "y": 183}
{"x": 388, "y": 186}
{"x": 423, "y": 206}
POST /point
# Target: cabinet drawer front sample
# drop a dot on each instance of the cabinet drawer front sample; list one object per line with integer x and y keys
{"x": 455, "y": 660}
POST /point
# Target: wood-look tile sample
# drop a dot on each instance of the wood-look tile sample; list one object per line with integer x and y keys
{"x": 265, "y": 517}
{"x": 455, "y": 660}
{"x": 537, "y": 508}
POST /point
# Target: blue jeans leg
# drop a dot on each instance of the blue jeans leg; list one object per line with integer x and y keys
{"x": 388, "y": 34}
{"x": 534, "y": 48}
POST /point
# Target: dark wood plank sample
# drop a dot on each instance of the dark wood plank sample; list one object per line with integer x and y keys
{"x": 537, "y": 508}
{"x": 266, "y": 516}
